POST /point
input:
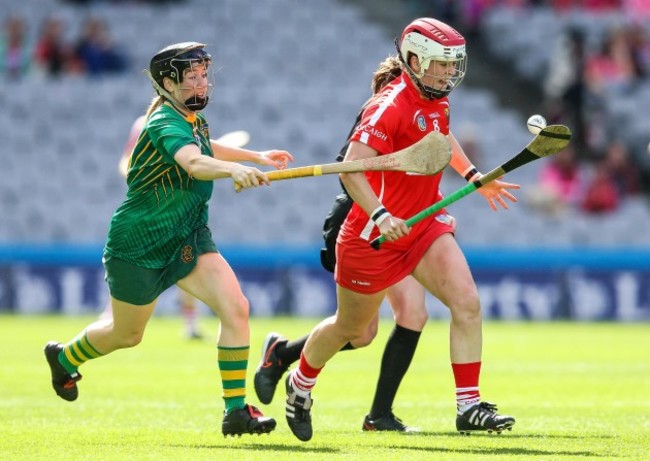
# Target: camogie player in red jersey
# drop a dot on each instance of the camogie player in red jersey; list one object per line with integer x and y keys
{"x": 406, "y": 298}
{"x": 414, "y": 104}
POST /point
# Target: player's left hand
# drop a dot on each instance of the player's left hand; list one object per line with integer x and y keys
{"x": 275, "y": 158}
{"x": 497, "y": 191}
{"x": 393, "y": 228}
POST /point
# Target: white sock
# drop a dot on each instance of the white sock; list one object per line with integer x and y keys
{"x": 300, "y": 384}
{"x": 466, "y": 398}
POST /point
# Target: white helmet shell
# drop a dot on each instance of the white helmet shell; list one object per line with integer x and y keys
{"x": 433, "y": 40}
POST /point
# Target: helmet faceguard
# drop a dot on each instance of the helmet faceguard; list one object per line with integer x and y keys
{"x": 173, "y": 62}
{"x": 433, "y": 41}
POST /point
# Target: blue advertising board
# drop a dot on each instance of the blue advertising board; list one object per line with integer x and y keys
{"x": 513, "y": 285}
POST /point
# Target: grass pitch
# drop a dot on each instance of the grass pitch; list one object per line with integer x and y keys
{"x": 578, "y": 391}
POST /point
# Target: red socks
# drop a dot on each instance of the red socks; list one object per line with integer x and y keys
{"x": 304, "y": 377}
{"x": 466, "y": 376}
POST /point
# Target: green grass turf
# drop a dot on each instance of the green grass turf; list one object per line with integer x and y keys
{"x": 578, "y": 391}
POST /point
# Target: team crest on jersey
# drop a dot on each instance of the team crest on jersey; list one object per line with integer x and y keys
{"x": 422, "y": 123}
{"x": 187, "y": 255}
{"x": 447, "y": 112}
{"x": 204, "y": 130}
{"x": 444, "y": 219}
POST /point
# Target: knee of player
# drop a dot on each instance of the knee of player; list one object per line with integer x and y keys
{"x": 467, "y": 306}
{"x": 366, "y": 337}
{"x": 237, "y": 311}
{"x": 242, "y": 307}
{"x": 352, "y": 334}
{"x": 413, "y": 319}
{"x": 130, "y": 338}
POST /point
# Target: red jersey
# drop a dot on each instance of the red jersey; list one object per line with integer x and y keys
{"x": 396, "y": 118}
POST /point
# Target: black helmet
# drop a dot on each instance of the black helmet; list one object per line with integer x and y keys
{"x": 173, "y": 60}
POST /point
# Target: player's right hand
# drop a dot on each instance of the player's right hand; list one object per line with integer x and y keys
{"x": 245, "y": 177}
{"x": 495, "y": 192}
{"x": 393, "y": 228}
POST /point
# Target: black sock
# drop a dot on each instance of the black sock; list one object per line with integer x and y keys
{"x": 289, "y": 352}
{"x": 396, "y": 360}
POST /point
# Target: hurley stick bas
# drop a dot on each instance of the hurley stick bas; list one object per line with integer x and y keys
{"x": 429, "y": 155}
{"x": 549, "y": 141}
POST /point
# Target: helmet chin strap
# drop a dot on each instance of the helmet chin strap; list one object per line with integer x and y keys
{"x": 429, "y": 93}
{"x": 426, "y": 92}
{"x": 195, "y": 103}
{"x": 190, "y": 105}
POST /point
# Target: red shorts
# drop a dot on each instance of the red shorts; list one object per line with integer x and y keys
{"x": 361, "y": 269}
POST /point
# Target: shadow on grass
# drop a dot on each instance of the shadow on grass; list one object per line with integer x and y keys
{"x": 509, "y": 435}
{"x": 306, "y": 448}
{"x": 511, "y": 451}
{"x": 289, "y": 448}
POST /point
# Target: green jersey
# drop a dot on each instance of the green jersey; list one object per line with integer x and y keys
{"x": 163, "y": 205}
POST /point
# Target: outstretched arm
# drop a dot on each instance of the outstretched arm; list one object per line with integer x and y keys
{"x": 275, "y": 158}
{"x": 206, "y": 168}
{"x": 494, "y": 192}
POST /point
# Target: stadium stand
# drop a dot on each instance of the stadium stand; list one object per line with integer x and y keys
{"x": 292, "y": 86}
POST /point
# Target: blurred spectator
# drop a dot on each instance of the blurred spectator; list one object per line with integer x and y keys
{"x": 615, "y": 177}
{"x": 471, "y": 13}
{"x": 153, "y": 2}
{"x": 95, "y": 51}
{"x": 560, "y": 185}
{"x": 601, "y": 195}
{"x": 52, "y": 55}
{"x": 589, "y": 5}
{"x": 610, "y": 73}
{"x": 638, "y": 10}
{"x": 467, "y": 137}
{"x": 622, "y": 171}
{"x": 565, "y": 87}
{"x": 15, "y": 55}
{"x": 612, "y": 69}
{"x": 640, "y": 48}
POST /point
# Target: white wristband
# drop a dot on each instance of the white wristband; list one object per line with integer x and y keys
{"x": 379, "y": 214}
{"x": 382, "y": 218}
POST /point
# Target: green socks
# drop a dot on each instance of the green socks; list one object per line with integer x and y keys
{"x": 233, "y": 362}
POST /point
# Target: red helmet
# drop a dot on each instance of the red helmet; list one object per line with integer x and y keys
{"x": 433, "y": 40}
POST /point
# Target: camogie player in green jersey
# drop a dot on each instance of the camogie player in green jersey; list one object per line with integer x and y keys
{"x": 159, "y": 237}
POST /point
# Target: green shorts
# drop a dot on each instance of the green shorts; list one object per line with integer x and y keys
{"x": 138, "y": 285}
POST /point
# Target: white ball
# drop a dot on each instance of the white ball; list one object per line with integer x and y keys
{"x": 536, "y": 123}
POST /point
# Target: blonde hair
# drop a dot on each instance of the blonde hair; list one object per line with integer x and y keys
{"x": 156, "y": 102}
{"x": 387, "y": 71}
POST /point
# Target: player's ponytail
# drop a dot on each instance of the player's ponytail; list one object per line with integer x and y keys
{"x": 387, "y": 71}
{"x": 156, "y": 102}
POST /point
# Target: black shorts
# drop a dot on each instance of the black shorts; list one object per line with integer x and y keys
{"x": 331, "y": 227}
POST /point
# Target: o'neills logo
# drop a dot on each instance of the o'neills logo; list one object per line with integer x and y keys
{"x": 372, "y": 131}
{"x": 360, "y": 282}
{"x": 186, "y": 254}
